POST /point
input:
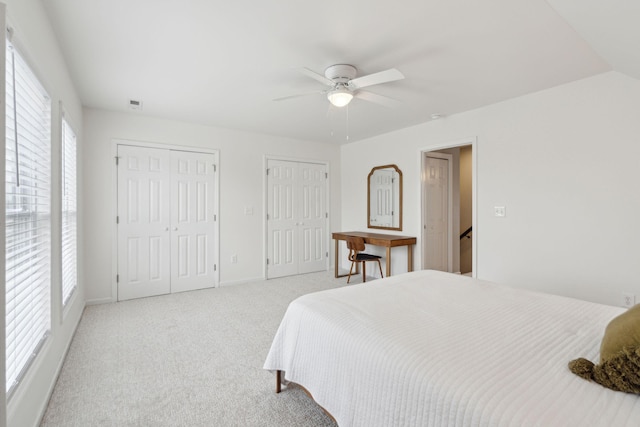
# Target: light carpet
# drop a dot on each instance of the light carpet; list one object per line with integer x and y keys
{"x": 187, "y": 359}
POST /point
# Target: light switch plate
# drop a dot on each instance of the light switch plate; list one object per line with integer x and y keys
{"x": 500, "y": 211}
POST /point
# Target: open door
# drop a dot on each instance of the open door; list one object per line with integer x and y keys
{"x": 449, "y": 226}
{"x": 438, "y": 211}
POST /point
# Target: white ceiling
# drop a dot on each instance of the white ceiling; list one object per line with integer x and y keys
{"x": 610, "y": 27}
{"x": 221, "y": 63}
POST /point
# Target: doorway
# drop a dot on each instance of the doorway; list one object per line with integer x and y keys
{"x": 449, "y": 229}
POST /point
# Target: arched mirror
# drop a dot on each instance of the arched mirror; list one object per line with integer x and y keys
{"x": 384, "y": 198}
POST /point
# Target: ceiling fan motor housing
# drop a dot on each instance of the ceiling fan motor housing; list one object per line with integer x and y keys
{"x": 340, "y": 73}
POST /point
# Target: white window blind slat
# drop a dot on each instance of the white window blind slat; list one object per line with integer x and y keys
{"x": 28, "y": 217}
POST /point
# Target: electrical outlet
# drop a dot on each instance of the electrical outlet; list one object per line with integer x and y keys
{"x": 234, "y": 259}
{"x": 628, "y": 300}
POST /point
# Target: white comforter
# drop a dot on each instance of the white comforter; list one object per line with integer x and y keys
{"x": 436, "y": 349}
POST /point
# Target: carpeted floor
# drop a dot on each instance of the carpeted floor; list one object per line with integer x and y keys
{"x": 187, "y": 359}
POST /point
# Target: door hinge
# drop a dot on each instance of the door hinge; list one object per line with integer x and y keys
{"x": 326, "y": 175}
{"x": 267, "y": 171}
{"x": 117, "y": 160}
{"x": 326, "y": 214}
{"x": 267, "y": 261}
{"x": 326, "y": 254}
{"x": 215, "y": 168}
{"x": 215, "y": 217}
{"x": 117, "y": 278}
{"x": 117, "y": 219}
{"x": 215, "y": 267}
{"x": 267, "y": 217}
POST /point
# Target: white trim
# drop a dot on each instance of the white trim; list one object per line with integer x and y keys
{"x": 473, "y": 141}
{"x": 149, "y": 144}
{"x": 98, "y": 301}
{"x": 114, "y": 198}
{"x": 265, "y": 165}
{"x": 114, "y": 230}
{"x": 242, "y": 281}
{"x": 3, "y": 303}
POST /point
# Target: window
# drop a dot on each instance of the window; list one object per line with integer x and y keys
{"x": 28, "y": 220}
{"x": 69, "y": 213}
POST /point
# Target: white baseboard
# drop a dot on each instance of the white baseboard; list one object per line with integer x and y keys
{"x": 100, "y": 301}
{"x": 243, "y": 281}
{"x": 222, "y": 284}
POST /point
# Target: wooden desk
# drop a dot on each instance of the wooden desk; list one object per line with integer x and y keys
{"x": 378, "y": 239}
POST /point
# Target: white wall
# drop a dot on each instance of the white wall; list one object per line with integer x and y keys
{"x": 242, "y": 180}
{"x": 34, "y": 38}
{"x": 566, "y": 164}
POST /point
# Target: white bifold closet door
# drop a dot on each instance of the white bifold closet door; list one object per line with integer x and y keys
{"x": 166, "y": 221}
{"x": 296, "y": 218}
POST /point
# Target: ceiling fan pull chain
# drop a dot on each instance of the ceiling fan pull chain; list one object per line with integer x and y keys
{"x": 347, "y": 122}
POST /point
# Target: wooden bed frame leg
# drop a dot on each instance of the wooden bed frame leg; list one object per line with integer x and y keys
{"x": 278, "y": 381}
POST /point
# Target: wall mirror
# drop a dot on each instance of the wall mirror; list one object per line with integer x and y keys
{"x": 384, "y": 198}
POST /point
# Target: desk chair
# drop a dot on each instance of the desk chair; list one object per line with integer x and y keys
{"x": 355, "y": 245}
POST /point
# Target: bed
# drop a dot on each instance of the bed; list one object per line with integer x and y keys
{"x": 436, "y": 349}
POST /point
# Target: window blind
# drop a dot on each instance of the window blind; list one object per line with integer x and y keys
{"x": 69, "y": 213}
{"x": 28, "y": 222}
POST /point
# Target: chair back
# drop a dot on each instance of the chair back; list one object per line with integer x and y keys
{"x": 355, "y": 245}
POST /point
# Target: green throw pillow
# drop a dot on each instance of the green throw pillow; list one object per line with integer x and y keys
{"x": 619, "y": 367}
{"x": 622, "y": 332}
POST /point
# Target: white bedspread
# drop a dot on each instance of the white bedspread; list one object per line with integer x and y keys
{"x": 436, "y": 349}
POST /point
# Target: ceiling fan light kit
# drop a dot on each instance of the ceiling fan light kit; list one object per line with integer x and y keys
{"x": 344, "y": 85}
{"x": 340, "y": 97}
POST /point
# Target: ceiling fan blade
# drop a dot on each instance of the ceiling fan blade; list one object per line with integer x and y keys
{"x": 300, "y": 95}
{"x": 378, "y": 99}
{"x": 389, "y": 75}
{"x": 319, "y": 77}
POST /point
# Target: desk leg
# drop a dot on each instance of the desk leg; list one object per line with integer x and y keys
{"x": 409, "y": 257}
{"x": 388, "y": 261}
{"x": 336, "y": 258}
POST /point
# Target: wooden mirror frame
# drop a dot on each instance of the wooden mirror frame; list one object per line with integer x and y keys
{"x": 399, "y": 172}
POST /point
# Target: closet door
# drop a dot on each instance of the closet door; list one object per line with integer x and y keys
{"x": 312, "y": 217}
{"x": 167, "y": 213}
{"x": 143, "y": 222}
{"x": 282, "y": 219}
{"x": 296, "y": 222}
{"x": 193, "y": 213}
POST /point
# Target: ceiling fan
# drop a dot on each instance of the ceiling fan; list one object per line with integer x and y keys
{"x": 344, "y": 85}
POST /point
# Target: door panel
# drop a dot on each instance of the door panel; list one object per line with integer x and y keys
{"x": 437, "y": 214}
{"x": 143, "y": 229}
{"x": 192, "y": 221}
{"x": 282, "y": 213}
{"x": 312, "y": 218}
